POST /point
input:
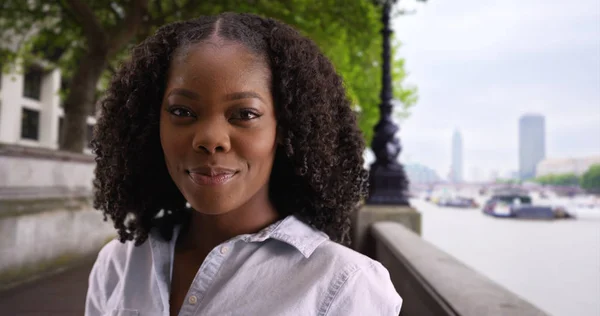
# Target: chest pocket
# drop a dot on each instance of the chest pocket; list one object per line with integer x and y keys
{"x": 124, "y": 312}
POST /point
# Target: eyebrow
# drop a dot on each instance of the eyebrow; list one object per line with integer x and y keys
{"x": 185, "y": 93}
{"x": 243, "y": 95}
{"x": 229, "y": 97}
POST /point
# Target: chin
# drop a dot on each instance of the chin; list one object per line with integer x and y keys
{"x": 211, "y": 207}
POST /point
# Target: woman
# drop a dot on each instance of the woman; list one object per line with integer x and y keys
{"x": 228, "y": 154}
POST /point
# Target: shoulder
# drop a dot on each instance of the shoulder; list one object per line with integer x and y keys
{"x": 116, "y": 252}
{"x": 339, "y": 254}
{"x": 361, "y": 285}
{"x": 343, "y": 258}
{"x": 115, "y": 257}
{"x": 114, "y": 249}
{"x": 111, "y": 260}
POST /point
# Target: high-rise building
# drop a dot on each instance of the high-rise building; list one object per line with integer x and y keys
{"x": 532, "y": 144}
{"x": 457, "y": 158}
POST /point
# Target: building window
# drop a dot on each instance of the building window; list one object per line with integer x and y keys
{"x": 30, "y": 124}
{"x": 32, "y": 85}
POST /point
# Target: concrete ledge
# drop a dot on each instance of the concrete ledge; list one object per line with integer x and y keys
{"x": 367, "y": 215}
{"x": 10, "y": 150}
{"x": 19, "y": 207}
{"x": 36, "y": 193}
{"x": 32, "y": 174}
{"x": 435, "y": 283}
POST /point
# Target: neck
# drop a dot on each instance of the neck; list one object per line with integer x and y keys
{"x": 207, "y": 231}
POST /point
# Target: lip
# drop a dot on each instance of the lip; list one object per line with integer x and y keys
{"x": 208, "y": 175}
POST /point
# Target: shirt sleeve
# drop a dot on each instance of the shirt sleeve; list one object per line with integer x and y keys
{"x": 95, "y": 301}
{"x": 368, "y": 291}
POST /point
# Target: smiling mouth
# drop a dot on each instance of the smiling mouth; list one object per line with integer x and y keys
{"x": 211, "y": 179}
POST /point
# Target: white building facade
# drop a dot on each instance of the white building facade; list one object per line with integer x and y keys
{"x": 30, "y": 108}
{"x": 577, "y": 166}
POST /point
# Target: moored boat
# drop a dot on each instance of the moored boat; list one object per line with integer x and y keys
{"x": 518, "y": 204}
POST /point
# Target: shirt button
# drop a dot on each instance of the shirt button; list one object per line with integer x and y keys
{"x": 193, "y": 300}
{"x": 224, "y": 250}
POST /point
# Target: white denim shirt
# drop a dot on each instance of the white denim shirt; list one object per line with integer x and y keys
{"x": 286, "y": 269}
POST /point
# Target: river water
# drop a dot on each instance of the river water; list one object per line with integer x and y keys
{"x": 553, "y": 264}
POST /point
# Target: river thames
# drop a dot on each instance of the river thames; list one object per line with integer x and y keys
{"x": 553, "y": 264}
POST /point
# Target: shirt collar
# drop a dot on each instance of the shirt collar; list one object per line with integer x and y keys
{"x": 293, "y": 232}
{"x": 289, "y": 230}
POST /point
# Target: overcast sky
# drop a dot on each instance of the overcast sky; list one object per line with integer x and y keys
{"x": 479, "y": 65}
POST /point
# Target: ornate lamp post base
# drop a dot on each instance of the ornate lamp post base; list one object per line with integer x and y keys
{"x": 386, "y": 186}
{"x": 387, "y": 180}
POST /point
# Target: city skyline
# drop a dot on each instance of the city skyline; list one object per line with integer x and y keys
{"x": 479, "y": 66}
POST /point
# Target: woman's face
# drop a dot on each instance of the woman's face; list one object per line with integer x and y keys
{"x": 218, "y": 127}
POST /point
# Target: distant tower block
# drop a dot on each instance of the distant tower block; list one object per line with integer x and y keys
{"x": 532, "y": 144}
{"x": 456, "y": 174}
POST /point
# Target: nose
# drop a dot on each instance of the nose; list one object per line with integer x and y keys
{"x": 212, "y": 136}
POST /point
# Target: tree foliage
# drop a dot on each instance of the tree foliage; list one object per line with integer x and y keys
{"x": 89, "y": 39}
{"x": 507, "y": 181}
{"x": 590, "y": 180}
{"x": 558, "y": 179}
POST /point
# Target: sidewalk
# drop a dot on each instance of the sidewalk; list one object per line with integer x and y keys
{"x": 60, "y": 294}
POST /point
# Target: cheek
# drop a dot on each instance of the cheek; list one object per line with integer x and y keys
{"x": 172, "y": 143}
{"x": 258, "y": 150}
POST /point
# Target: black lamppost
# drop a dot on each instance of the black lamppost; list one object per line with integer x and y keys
{"x": 388, "y": 183}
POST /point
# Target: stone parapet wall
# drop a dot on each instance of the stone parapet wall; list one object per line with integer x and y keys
{"x": 36, "y": 173}
{"x": 434, "y": 283}
{"x": 47, "y": 221}
{"x": 38, "y": 236}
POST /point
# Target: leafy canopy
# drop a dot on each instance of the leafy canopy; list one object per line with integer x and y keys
{"x": 591, "y": 179}
{"x": 348, "y": 32}
{"x": 558, "y": 179}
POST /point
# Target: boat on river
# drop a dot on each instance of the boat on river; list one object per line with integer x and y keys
{"x": 518, "y": 204}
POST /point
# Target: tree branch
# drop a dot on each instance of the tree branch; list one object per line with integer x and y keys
{"x": 92, "y": 28}
{"x": 129, "y": 26}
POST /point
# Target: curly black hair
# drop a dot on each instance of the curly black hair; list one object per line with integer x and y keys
{"x": 317, "y": 174}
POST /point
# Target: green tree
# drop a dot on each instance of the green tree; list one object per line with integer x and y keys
{"x": 558, "y": 179}
{"x": 507, "y": 181}
{"x": 590, "y": 180}
{"x": 89, "y": 39}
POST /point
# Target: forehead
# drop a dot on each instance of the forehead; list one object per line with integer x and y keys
{"x": 217, "y": 59}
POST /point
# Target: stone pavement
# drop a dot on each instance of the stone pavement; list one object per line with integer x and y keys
{"x": 60, "y": 294}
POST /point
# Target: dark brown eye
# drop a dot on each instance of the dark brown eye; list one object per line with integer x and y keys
{"x": 245, "y": 115}
{"x": 180, "y": 112}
